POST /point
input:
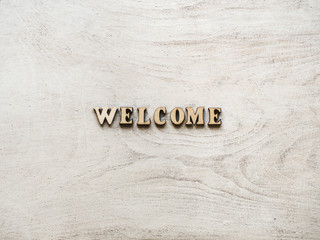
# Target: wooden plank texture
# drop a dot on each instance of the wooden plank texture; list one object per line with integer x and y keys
{"x": 62, "y": 176}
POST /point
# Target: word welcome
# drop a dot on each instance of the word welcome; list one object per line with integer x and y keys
{"x": 177, "y": 116}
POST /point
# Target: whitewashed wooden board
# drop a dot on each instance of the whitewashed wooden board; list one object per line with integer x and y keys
{"x": 62, "y": 176}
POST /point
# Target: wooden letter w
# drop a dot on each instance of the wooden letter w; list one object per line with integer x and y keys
{"x": 105, "y": 113}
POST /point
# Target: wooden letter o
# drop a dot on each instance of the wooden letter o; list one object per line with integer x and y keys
{"x": 177, "y": 116}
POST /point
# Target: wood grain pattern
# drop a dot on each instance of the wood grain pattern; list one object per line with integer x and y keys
{"x": 62, "y": 176}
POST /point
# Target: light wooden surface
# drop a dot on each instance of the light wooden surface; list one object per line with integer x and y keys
{"x": 62, "y": 176}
